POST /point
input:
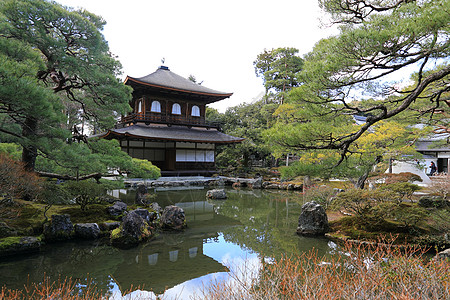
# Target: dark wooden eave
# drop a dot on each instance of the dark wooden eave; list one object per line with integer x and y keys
{"x": 171, "y": 133}
{"x": 163, "y": 81}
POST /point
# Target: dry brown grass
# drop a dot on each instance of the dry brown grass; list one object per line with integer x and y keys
{"x": 66, "y": 289}
{"x": 353, "y": 272}
{"x": 358, "y": 273}
{"x": 69, "y": 289}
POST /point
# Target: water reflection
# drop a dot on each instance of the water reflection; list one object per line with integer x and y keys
{"x": 74, "y": 260}
{"x": 158, "y": 265}
{"x": 240, "y": 232}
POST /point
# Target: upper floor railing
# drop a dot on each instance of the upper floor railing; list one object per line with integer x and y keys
{"x": 168, "y": 119}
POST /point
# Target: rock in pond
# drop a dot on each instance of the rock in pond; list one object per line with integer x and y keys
{"x": 256, "y": 183}
{"x": 148, "y": 216}
{"x": 117, "y": 209}
{"x": 313, "y": 220}
{"x": 155, "y": 207}
{"x": 216, "y": 194}
{"x": 88, "y": 231}
{"x": 59, "y": 229}
{"x": 173, "y": 218}
{"x": 109, "y": 226}
{"x": 19, "y": 245}
{"x": 133, "y": 230}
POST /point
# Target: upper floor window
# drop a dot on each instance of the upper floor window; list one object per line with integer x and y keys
{"x": 176, "y": 109}
{"x": 195, "y": 111}
{"x": 139, "y": 106}
{"x": 156, "y": 106}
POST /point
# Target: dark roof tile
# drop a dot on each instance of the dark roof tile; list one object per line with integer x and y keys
{"x": 173, "y": 133}
{"x": 165, "y": 78}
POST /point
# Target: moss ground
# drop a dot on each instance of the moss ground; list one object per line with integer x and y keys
{"x": 31, "y": 217}
{"x": 96, "y": 213}
{"x": 6, "y": 242}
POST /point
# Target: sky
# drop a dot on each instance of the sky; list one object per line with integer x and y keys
{"x": 215, "y": 41}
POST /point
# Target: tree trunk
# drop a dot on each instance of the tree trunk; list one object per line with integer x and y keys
{"x": 29, "y": 152}
{"x": 245, "y": 159}
{"x": 362, "y": 179}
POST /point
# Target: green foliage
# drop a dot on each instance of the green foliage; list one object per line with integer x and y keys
{"x": 279, "y": 68}
{"x": 363, "y": 203}
{"x": 322, "y": 194}
{"x": 324, "y": 164}
{"x": 300, "y": 169}
{"x": 98, "y": 156}
{"x": 351, "y": 74}
{"x": 11, "y": 149}
{"x": 85, "y": 192}
{"x": 246, "y": 121}
{"x": 144, "y": 169}
{"x": 409, "y": 215}
{"x": 112, "y": 184}
{"x": 303, "y": 129}
{"x": 441, "y": 220}
{"x": 404, "y": 190}
{"x": 54, "y": 192}
{"x": 379, "y": 206}
{"x": 23, "y": 101}
{"x": 57, "y": 73}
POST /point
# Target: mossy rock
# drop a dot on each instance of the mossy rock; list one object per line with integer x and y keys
{"x": 109, "y": 225}
{"x": 19, "y": 245}
{"x": 173, "y": 218}
{"x": 123, "y": 241}
{"x": 133, "y": 230}
{"x": 59, "y": 229}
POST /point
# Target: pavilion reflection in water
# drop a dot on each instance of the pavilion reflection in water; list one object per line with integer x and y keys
{"x": 174, "y": 258}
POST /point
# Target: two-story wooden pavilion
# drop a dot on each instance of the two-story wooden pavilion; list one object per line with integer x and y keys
{"x": 167, "y": 125}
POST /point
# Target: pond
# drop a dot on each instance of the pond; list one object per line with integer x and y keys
{"x": 222, "y": 236}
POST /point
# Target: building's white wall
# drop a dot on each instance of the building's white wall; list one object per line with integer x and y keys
{"x": 412, "y": 167}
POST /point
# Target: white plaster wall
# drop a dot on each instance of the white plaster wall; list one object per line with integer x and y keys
{"x": 412, "y": 167}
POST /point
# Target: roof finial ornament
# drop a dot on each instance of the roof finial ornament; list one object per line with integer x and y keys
{"x": 163, "y": 67}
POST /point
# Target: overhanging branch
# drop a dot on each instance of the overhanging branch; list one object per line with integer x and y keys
{"x": 96, "y": 176}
